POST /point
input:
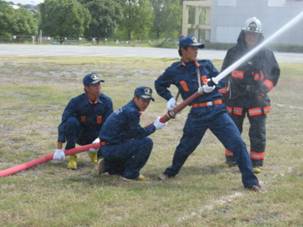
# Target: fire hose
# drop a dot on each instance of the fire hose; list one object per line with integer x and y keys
{"x": 170, "y": 114}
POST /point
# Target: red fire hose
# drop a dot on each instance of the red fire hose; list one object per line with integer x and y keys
{"x": 48, "y": 157}
{"x": 43, "y": 159}
{"x": 171, "y": 114}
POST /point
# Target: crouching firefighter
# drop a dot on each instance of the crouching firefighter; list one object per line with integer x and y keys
{"x": 126, "y": 146}
{"x": 247, "y": 90}
{"x": 82, "y": 120}
{"x": 207, "y": 111}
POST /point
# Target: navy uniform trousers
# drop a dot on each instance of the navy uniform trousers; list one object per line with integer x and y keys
{"x": 76, "y": 133}
{"x": 127, "y": 158}
{"x": 222, "y": 126}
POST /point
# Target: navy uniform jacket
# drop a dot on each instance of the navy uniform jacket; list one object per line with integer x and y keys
{"x": 184, "y": 76}
{"x": 90, "y": 115}
{"x": 123, "y": 124}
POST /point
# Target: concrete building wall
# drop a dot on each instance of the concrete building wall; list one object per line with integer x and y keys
{"x": 227, "y": 17}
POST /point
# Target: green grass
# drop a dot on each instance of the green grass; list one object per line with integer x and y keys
{"x": 33, "y": 94}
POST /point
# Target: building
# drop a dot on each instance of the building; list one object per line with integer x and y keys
{"x": 220, "y": 21}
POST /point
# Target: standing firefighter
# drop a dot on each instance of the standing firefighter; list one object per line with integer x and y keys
{"x": 82, "y": 119}
{"x": 247, "y": 89}
{"x": 126, "y": 145}
{"x": 207, "y": 111}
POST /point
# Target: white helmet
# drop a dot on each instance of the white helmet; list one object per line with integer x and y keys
{"x": 253, "y": 24}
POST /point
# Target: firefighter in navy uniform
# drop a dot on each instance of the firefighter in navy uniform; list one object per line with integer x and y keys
{"x": 82, "y": 120}
{"x": 207, "y": 111}
{"x": 126, "y": 146}
{"x": 247, "y": 89}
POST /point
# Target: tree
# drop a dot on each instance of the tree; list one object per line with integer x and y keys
{"x": 24, "y": 23}
{"x": 168, "y": 18}
{"x": 6, "y": 19}
{"x": 137, "y": 18}
{"x": 64, "y": 18}
{"x": 105, "y": 17}
{"x": 16, "y": 21}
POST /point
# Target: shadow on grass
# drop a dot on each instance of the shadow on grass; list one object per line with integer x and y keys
{"x": 87, "y": 175}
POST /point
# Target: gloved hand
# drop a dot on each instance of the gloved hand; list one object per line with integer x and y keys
{"x": 158, "y": 124}
{"x": 94, "y": 150}
{"x": 97, "y": 140}
{"x": 206, "y": 89}
{"x": 59, "y": 155}
{"x": 171, "y": 104}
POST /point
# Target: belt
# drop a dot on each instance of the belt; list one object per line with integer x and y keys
{"x": 205, "y": 104}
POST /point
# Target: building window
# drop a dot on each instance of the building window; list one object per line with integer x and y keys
{"x": 191, "y": 14}
{"x": 204, "y": 35}
{"x": 204, "y": 16}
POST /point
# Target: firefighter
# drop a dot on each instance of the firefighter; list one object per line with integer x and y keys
{"x": 207, "y": 111}
{"x": 126, "y": 146}
{"x": 248, "y": 87}
{"x": 82, "y": 120}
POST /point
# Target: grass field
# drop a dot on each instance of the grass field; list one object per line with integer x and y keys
{"x": 33, "y": 93}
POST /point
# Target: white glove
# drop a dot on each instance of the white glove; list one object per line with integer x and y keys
{"x": 171, "y": 104}
{"x": 59, "y": 155}
{"x": 206, "y": 89}
{"x": 158, "y": 124}
{"x": 97, "y": 140}
{"x": 94, "y": 150}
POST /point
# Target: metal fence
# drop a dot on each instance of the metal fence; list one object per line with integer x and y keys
{"x": 27, "y": 39}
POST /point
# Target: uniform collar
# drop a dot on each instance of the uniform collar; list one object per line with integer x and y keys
{"x": 184, "y": 64}
{"x": 132, "y": 103}
{"x": 90, "y": 102}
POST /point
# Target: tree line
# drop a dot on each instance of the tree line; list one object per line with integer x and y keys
{"x": 98, "y": 19}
